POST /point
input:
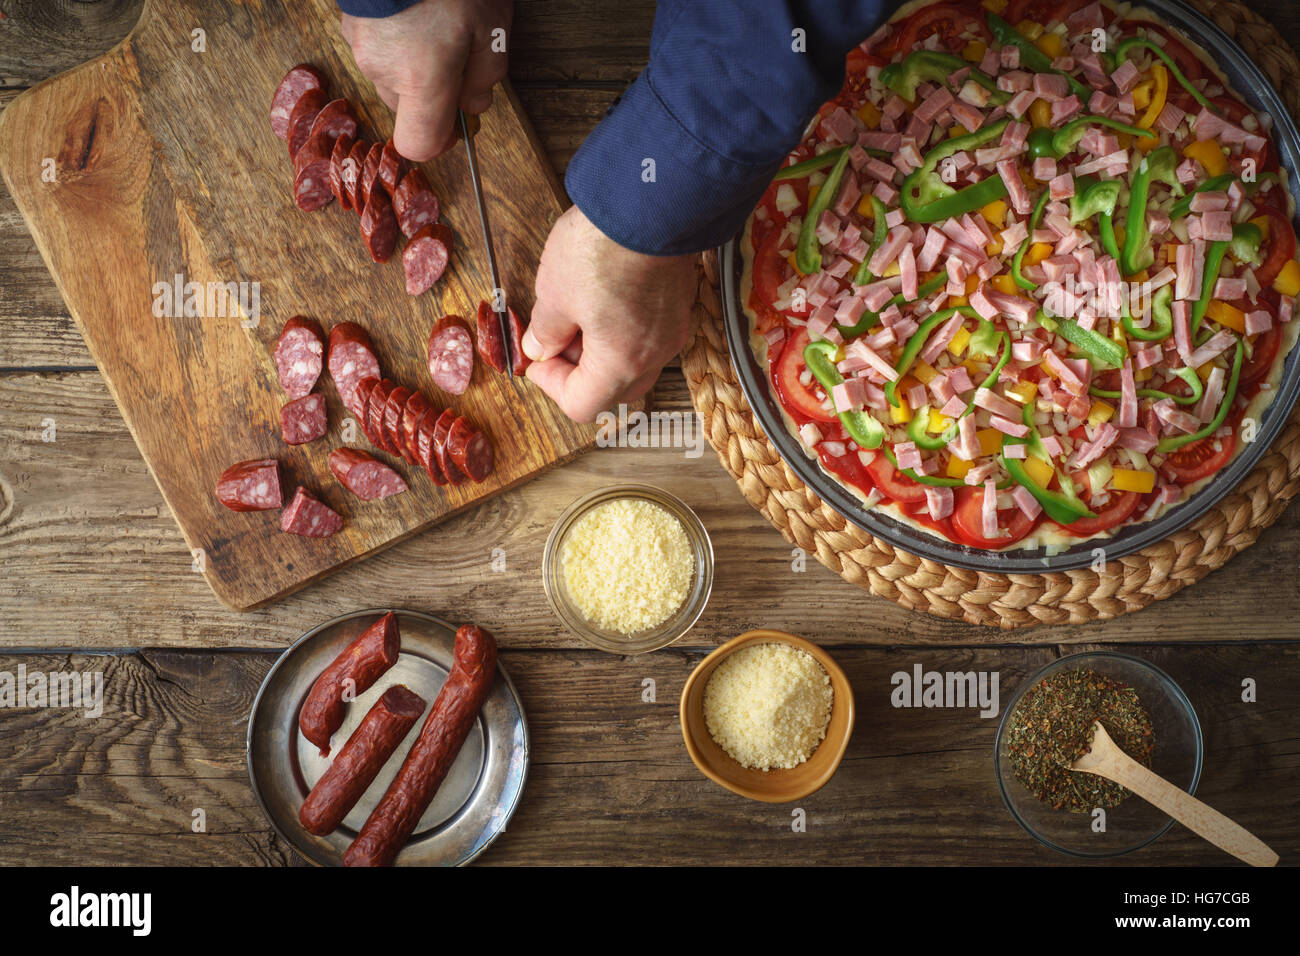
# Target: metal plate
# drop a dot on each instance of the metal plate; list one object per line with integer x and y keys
{"x": 473, "y": 804}
{"x": 1248, "y": 82}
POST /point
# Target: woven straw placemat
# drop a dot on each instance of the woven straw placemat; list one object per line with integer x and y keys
{"x": 1002, "y": 600}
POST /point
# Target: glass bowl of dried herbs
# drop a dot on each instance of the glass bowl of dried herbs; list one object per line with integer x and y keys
{"x": 1045, "y": 727}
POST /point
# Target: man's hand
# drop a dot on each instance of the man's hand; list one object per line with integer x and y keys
{"x": 429, "y": 60}
{"x": 631, "y": 312}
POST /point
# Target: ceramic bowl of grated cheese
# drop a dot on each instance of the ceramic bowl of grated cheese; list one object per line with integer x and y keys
{"x": 628, "y": 568}
{"x": 768, "y": 715}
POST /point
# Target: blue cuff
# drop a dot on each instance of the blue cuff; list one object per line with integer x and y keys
{"x": 374, "y": 8}
{"x": 652, "y": 187}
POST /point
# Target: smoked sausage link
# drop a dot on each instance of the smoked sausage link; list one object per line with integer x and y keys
{"x": 385, "y": 726}
{"x": 362, "y": 662}
{"x": 450, "y": 719}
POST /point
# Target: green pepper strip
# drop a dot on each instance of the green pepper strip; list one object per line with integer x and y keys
{"x": 862, "y": 428}
{"x": 869, "y": 319}
{"x": 1162, "y": 317}
{"x": 905, "y": 76}
{"x": 917, "y": 342}
{"x": 1188, "y": 375}
{"x": 1019, "y": 257}
{"x": 1100, "y": 349}
{"x": 1030, "y": 56}
{"x": 1184, "y": 205}
{"x": 1059, "y": 144}
{"x": 1166, "y": 445}
{"x": 1246, "y": 237}
{"x": 1060, "y": 507}
{"x": 916, "y": 427}
{"x": 927, "y": 198}
{"x": 1092, "y": 197}
{"x": 879, "y": 231}
{"x": 1137, "y": 253}
{"x": 1121, "y": 54}
{"x": 810, "y": 166}
{"x": 808, "y": 253}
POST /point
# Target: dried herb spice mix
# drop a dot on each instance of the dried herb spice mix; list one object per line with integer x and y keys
{"x": 1051, "y": 728}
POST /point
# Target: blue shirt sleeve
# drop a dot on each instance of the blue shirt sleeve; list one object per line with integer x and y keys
{"x": 684, "y": 155}
{"x": 374, "y": 8}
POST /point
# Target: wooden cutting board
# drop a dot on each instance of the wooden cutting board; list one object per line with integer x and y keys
{"x": 157, "y": 161}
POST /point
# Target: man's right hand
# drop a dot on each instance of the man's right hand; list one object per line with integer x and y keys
{"x": 428, "y": 61}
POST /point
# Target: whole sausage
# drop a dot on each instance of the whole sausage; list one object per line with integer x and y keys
{"x": 351, "y": 358}
{"x": 251, "y": 485}
{"x": 379, "y": 225}
{"x": 359, "y": 761}
{"x": 424, "y": 446}
{"x": 516, "y": 343}
{"x": 296, "y": 82}
{"x": 299, "y": 355}
{"x": 393, "y": 166}
{"x": 393, "y": 410}
{"x": 450, "y": 720}
{"x": 304, "y": 420}
{"x": 470, "y": 449}
{"x": 425, "y": 257}
{"x": 352, "y": 167}
{"x": 417, "y": 406}
{"x": 365, "y": 477}
{"x": 359, "y": 665}
{"x": 303, "y": 116}
{"x": 311, "y": 174}
{"x": 335, "y": 119}
{"x": 454, "y": 475}
{"x": 491, "y": 346}
{"x": 376, "y": 405}
{"x": 451, "y": 354}
{"x": 339, "y": 155}
{"x": 306, "y": 516}
{"x": 415, "y": 203}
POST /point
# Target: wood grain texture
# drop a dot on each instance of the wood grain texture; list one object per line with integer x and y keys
{"x": 142, "y": 144}
{"x": 610, "y": 781}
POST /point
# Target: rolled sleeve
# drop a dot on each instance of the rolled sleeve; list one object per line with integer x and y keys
{"x": 374, "y": 8}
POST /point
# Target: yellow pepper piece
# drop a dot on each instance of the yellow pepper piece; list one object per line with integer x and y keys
{"x": 974, "y": 51}
{"x": 1127, "y": 479}
{"x": 892, "y": 269}
{"x": 1262, "y": 222}
{"x": 1118, "y": 334}
{"x": 957, "y": 467}
{"x": 1288, "y": 280}
{"x": 938, "y": 422}
{"x": 972, "y": 283}
{"x": 812, "y": 193}
{"x": 864, "y": 205}
{"x": 956, "y": 300}
{"x": 995, "y": 212}
{"x": 958, "y": 130}
{"x": 869, "y": 115}
{"x": 1142, "y": 276}
{"x": 1203, "y": 371}
{"x": 1142, "y": 93}
{"x": 1040, "y": 113}
{"x": 900, "y": 414}
{"x": 1047, "y": 369}
{"x": 1005, "y": 283}
{"x": 1229, "y": 316}
{"x": 1156, "y": 100}
{"x": 1144, "y": 374}
{"x": 995, "y": 6}
{"x": 1209, "y": 154}
{"x": 1023, "y": 392}
{"x": 1100, "y": 412}
{"x": 1051, "y": 44}
{"x": 1030, "y": 29}
{"x": 959, "y": 342}
{"x": 1041, "y": 471}
{"x": 990, "y": 440}
{"x": 793, "y": 264}
{"x": 1037, "y": 253}
{"x": 994, "y": 247}
{"x": 924, "y": 372}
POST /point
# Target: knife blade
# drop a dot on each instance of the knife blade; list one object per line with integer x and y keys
{"x": 498, "y": 294}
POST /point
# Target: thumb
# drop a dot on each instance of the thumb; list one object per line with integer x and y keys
{"x": 548, "y": 334}
{"x": 426, "y": 113}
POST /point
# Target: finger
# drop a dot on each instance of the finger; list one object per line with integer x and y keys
{"x": 549, "y": 332}
{"x": 580, "y": 393}
{"x": 638, "y": 388}
{"x": 484, "y": 70}
{"x": 388, "y": 95}
{"x": 426, "y": 114}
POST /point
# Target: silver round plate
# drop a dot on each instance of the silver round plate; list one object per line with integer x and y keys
{"x": 474, "y": 803}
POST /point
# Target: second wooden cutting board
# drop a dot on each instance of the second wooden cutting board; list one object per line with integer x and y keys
{"x": 155, "y": 167}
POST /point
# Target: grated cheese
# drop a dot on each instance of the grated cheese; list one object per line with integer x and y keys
{"x": 768, "y": 706}
{"x": 627, "y": 565}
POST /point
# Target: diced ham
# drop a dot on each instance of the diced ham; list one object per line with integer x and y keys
{"x": 995, "y": 403}
{"x": 929, "y": 108}
{"x": 1216, "y": 226}
{"x": 1125, "y": 105}
{"x": 1051, "y": 86}
{"x": 1101, "y": 103}
{"x": 840, "y": 126}
{"x": 1128, "y": 406}
{"x": 979, "y": 301}
{"x": 953, "y": 407}
{"x": 885, "y": 193}
{"x": 996, "y": 154}
{"x": 810, "y": 434}
{"x": 1012, "y": 237}
{"x": 1019, "y": 104}
{"x": 1183, "y": 265}
{"x": 1025, "y": 501}
{"x": 907, "y": 269}
{"x": 850, "y": 309}
{"x": 1229, "y": 288}
{"x": 1085, "y": 19}
{"x": 1066, "y": 109}
{"x": 915, "y": 396}
{"x": 1118, "y": 160}
{"x": 940, "y": 338}
{"x": 1090, "y": 451}
{"x": 942, "y": 389}
{"x": 1044, "y": 169}
{"x": 1210, "y": 126}
{"x": 1186, "y": 171}
{"x": 859, "y": 349}
{"x": 1052, "y": 444}
{"x": 1174, "y": 418}
{"x": 1008, "y": 427}
{"x": 1017, "y": 192}
{"x": 1012, "y": 306}
{"x": 959, "y": 376}
{"x": 930, "y": 250}
{"x": 939, "y": 501}
{"x": 1027, "y": 351}
{"x": 876, "y": 294}
{"x": 907, "y": 455}
{"x": 1065, "y": 373}
{"x": 967, "y": 115}
{"x": 1125, "y": 77}
{"x": 989, "y": 509}
{"x": 897, "y": 238}
{"x": 1220, "y": 341}
{"x": 1136, "y": 439}
{"x": 1157, "y": 223}
{"x": 1009, "y": 57}
{"x": 849, "y": 395}
{"x": 875, "y": 139}
{"x": 1014, "y": 451}
{"x": 1209, "y": 403}
{"x": 1258, "y": 321}
{"x": 828, "y": 227}
{"x": 907, "y": 158}
{"x": 1061, "y": 187}
{"x": 1015, "y": 81}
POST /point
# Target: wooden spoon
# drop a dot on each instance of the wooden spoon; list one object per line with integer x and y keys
{"x": 1106, "y": 760}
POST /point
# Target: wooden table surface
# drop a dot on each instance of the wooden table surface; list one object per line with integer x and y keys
{"x": 94, "y": 576}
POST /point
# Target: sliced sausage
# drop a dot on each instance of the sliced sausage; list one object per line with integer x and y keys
{"x": 470, "y": 449}
{"x": 516, "y": 343}
{"x": 296, "y": 82}
{"x": 299, "y": 355}
{"x": 311, "y": 174}
{"x": 351, "y": 172}
{"x": 491, "y": 346}
{"x": 363, "y": 390}
{"x": 393, "y": 167}
{"x": 375, "y": 407}
{"x": 393, "y": 409}
{"x": 308, "y": 517}
{"x": 303, "y": 116}
{"x": 415, "y": 203}
{"x": 335, "y": 119}
{"x": 338, "y": 156}
{"x": 425, "y": 257}
{"x": 424, "y": 446}
{"x": 304, "y": 419}
{"x": 369, "y": 173}
{"x": 430, "y": 758}
{"x": 351, "y": 358}
{"x": 417, "y": 406}
{"x": 348, "y": 676}
{"x": 359, "y": 761}
{"x": 251, "y": 486}
{"x": 363, "y": 475}
{"x": 379, "y": 225}
{"x": 449, "y": 468}
{"x": 451, "y": 354}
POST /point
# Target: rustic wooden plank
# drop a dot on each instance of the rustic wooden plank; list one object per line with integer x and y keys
{"x": 610, "y": 781}
{"x": 90, "y": 556}
{"x": 40, "y": 38}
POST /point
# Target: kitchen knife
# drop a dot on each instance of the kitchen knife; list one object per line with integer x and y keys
{"x": 498, "y": 294}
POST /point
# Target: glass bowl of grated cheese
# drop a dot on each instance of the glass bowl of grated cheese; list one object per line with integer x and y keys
{"x": 628, "y": 568}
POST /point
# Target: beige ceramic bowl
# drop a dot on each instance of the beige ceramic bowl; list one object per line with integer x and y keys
{"x": 770, "y": 786}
